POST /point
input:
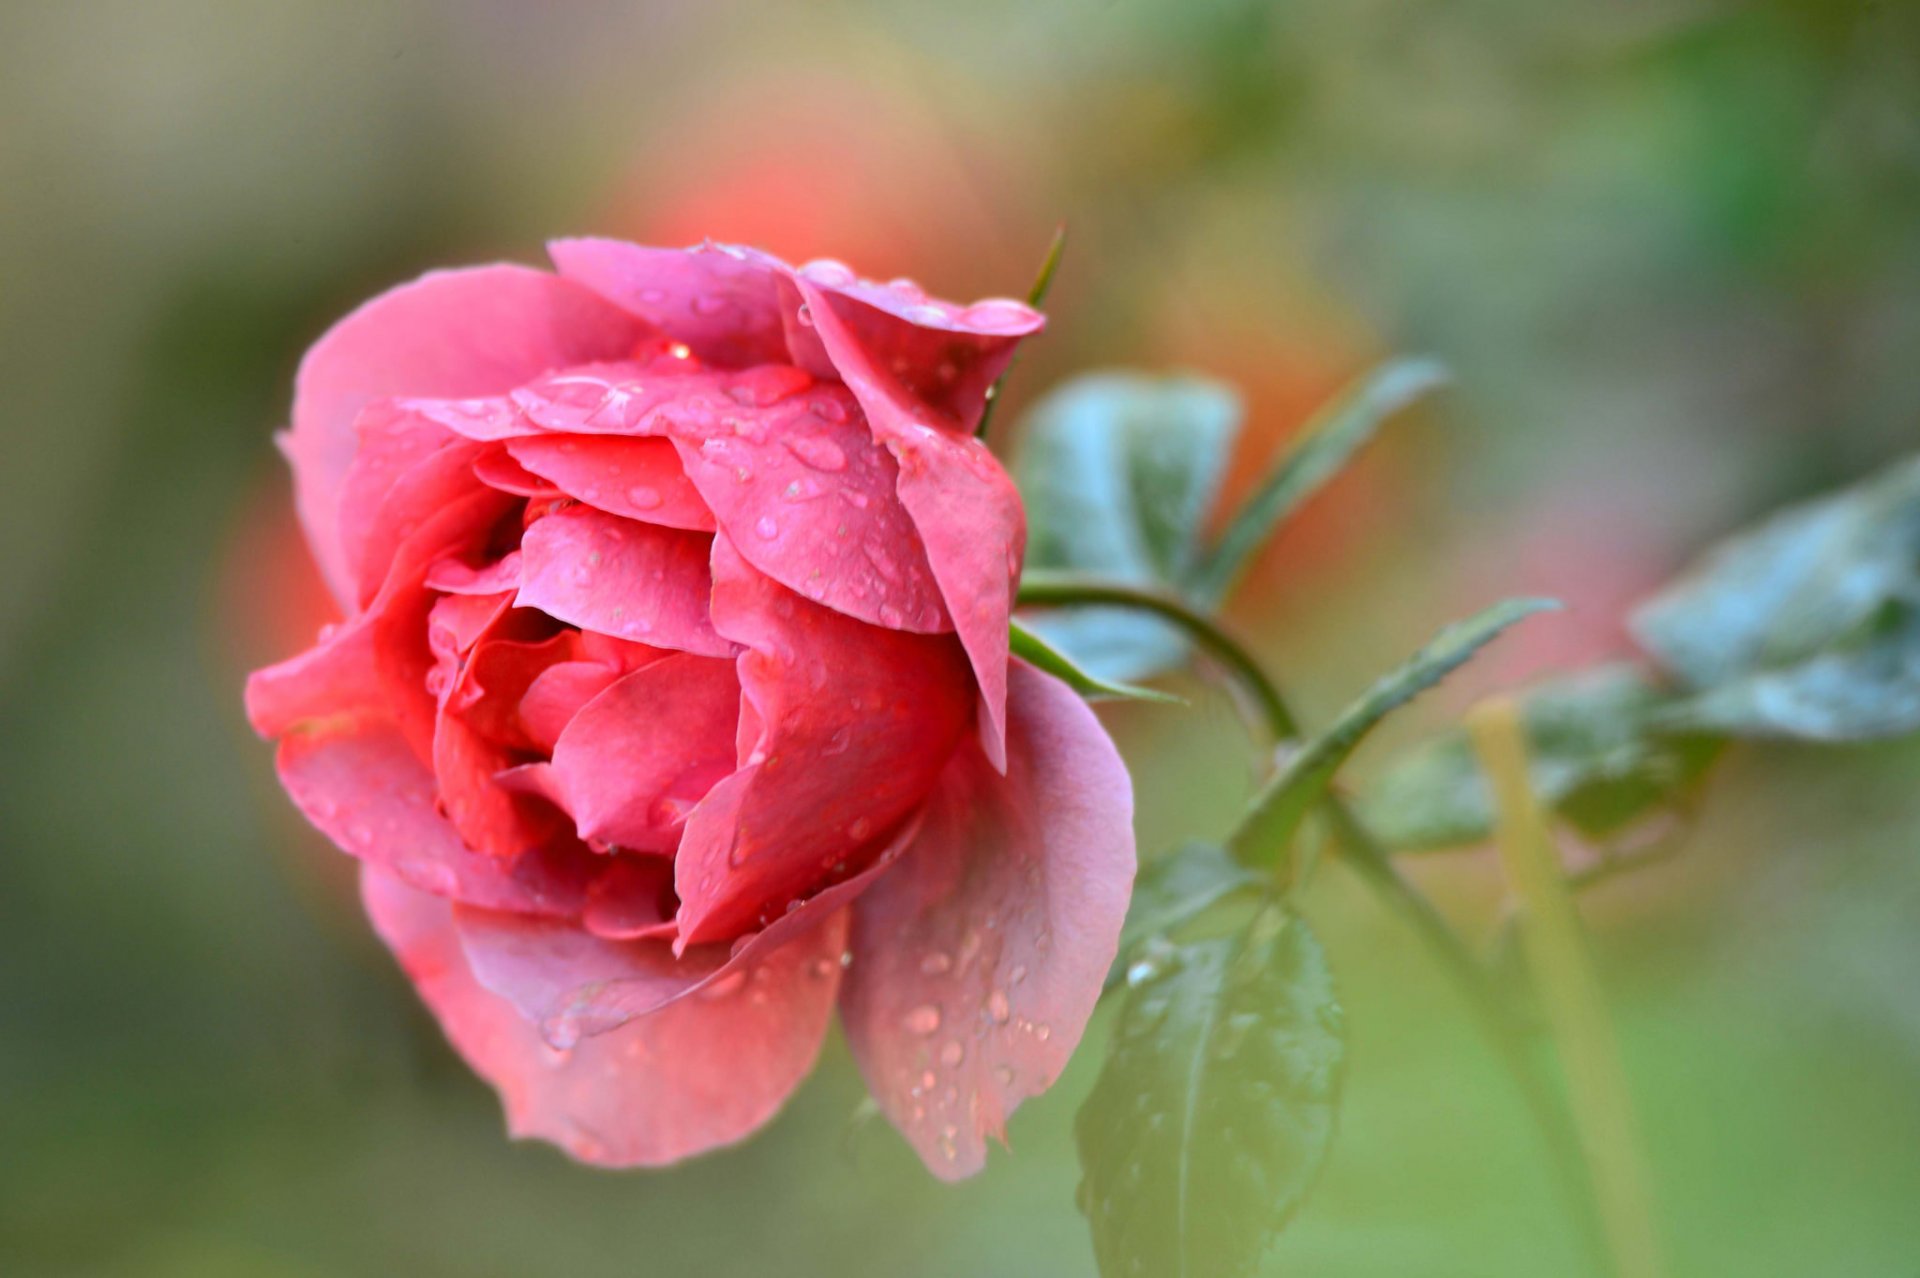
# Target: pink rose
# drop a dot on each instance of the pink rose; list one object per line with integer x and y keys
{"x": 673, "y": 706}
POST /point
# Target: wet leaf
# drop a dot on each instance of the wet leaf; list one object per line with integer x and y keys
{"x": 1172, "y": 890}
{"x": 1215, "y": 1108}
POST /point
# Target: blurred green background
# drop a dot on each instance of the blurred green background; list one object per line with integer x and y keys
{"x": 1671, "y": 248}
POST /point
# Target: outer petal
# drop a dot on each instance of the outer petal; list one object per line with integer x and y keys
{"x": 453, "y": 333}
{"x": 721, "y": 301}
{"x": 621, "y": 578}
{"x": 858, "y": 721}
{"x": 979, "y": 957}
{"x": 701, "y": 1073}
{"x": 360, "y": 784}
{"x": 964, "y": 505}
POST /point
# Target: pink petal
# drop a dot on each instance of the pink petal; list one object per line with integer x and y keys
{"x": 632, "y": 900}
{"x": 701, "y": 1073}
{"x": 622, "y": 578}
{"x": 722, "y": 302}
{"x": 393, "y": 444}
{"x": 979, "y": 957}
{"x": 358, "y": 781}
{"x": 809, "y": 499}
{"x": 966, "y": 508}
{"x": 557, "y": 694}
{"x": 340, "y": 675}
{"x": 858, "y": 721}
{"x": 497, "y": 469}
{"x": 489, "y": 818}
{"x": 636, "y": 759}
{"x": 634, "y": 478}
{"x": 940, "y": 353}
{"x": 454, "y": 333}
{"x": 455, "y": 577}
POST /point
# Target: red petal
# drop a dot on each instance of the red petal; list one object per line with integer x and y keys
{"x": 701, "y": 1073}
{"x": 979, "y": 957}
{"x": 965, "y": 507}
{"x": 621, "y": 578}
{"x": 858, "y": 721}
{"x": 360, "y": 784}
{"x": 635, "y": 478}
{"x": 454, "y": 333}
{"x": 636, "y": 758}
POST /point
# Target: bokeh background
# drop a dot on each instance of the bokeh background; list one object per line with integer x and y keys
{"x": 1671, "y": 249}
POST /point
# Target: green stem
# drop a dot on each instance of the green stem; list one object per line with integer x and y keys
{"x": 1571, "y": 994}
{"x": 1504, "y": 1032}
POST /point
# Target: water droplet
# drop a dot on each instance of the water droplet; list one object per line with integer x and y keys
{"x": 935, "y": 963}
{"x": 1043, "y": 1031}
{"x": 821, "y": 454}
{"x": 1018, "y": 974}
{"x": 861, "y": 828}
{"x": 924, "y": 1019}
{"x": 998, "y": 1007}
{"x": 724, "y": 985}
{"x": 1005, "y": 1074}
{"x": 952, "y": 1054}
{"x": 643, "y": 498}
{"x": 709, "y": 304}
{"x": 766, "y": 527}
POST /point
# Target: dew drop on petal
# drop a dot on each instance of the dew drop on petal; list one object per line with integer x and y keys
{"x": 924, "y": 1019}
{"x": 935, "y": 963}
{"x": 766, "y": 528}
{"x": 998, "y": 1007}
{"x": 952, "y": 1054}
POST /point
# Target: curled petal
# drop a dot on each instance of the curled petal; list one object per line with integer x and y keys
{"x": 621, "y": 578}
{"x": 966, "y": 509}
{"x": 451, "y": 333}
{"x": 721, "y": 301}
{"x": 700, "y": 1073}
{"x": 979, "y": 957}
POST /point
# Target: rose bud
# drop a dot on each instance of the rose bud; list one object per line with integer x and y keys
{"x": 673, "y": 706}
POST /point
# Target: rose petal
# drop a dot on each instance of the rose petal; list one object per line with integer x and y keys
{"x": 701, "y": 1073}
{"x": 456, "y": 577}
{"x": 358, "y": 781}
{"x": 340, "y": 675}
{"x": 557, "y": 694}
{"x": 966, "y": 508}
{"x": 639, "y": 479}
{"x": 496, "y": 468}
{"x": 979, "y": 957}
{"x": 640, "y": 755}
{"x": 808, "y": 498}
{"x": 858, "y": 722}
{"x": 394, "y": 444}
{"x": 632, "y": 900}
{"x": 722, "y": 302}
{"x": 453, "y": 333}
{"x": 631, "y": 580}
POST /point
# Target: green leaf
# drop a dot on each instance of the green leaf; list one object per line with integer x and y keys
{"x": 1267, "y": 831}
{"x": 1037, "y": 652}
{"x": 1594, "y": 753}
{"x": 1807, "y": 626}
{"x": 1118, "y": 471}
{"x": 1175, "y": 889}
{"x": 1036, "y": 297}
{"x": 1319, "y": 453}
{"x": 1215, "y": 1108}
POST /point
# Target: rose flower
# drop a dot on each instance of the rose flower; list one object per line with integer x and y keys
{"x": 673, "y": 705}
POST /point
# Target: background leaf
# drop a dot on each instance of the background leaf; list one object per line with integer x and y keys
{"x": 1118, "y": 470}
{"x": 1311, "y": 459}
{"x": 1807, "y": 626}
{"x": 1595, "y": 756}
{"x": 1216, "y": 1106}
